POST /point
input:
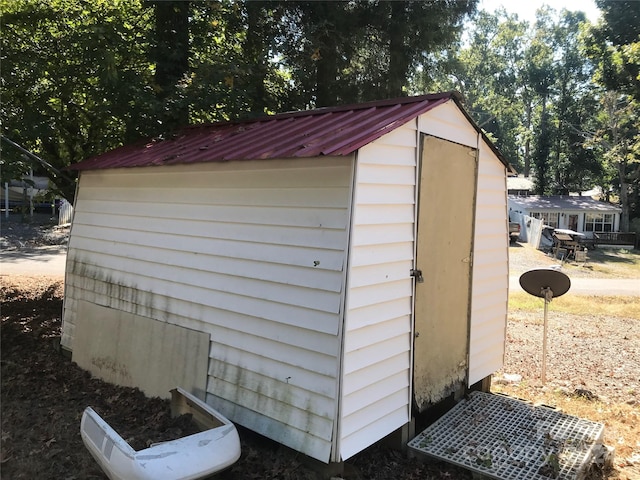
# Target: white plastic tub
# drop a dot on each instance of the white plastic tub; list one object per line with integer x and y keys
{"x": 195, "y": 456}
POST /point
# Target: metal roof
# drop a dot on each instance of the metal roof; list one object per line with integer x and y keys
{"x": 325, "y": 131}
{"x": 540, "y": 203}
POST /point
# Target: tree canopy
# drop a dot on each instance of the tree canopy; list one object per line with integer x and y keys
{"x": 81, "y": 77}
{"x": 559, "y": 96}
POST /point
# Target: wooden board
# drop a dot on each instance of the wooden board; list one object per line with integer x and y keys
{"x": 135, "y": 351}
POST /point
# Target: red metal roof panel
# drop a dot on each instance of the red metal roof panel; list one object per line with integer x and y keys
{"x": 326, "y": 131}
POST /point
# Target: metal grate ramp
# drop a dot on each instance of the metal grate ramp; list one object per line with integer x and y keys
{"x": 504, "y": 438}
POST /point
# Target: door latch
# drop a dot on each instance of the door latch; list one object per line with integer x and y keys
{"x": 417, "y": 274}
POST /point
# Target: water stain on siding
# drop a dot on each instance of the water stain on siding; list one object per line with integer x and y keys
{"x": 114, "y": 293}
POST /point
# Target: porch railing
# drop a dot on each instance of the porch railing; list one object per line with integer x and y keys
{"x": 616, "y": 238}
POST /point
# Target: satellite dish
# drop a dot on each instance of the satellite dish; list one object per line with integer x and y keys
{"x": 536, "y": 282}
{"x": 545, "y": 283}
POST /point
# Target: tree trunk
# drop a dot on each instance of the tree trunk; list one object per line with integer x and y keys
{"x": 398, "y": 61}
{"x": 542, "y": 151}
{"x": 624, "y": 197}
{"x": 327, "y": 61}
{"x": 255, "y": 54}
{"x": 172, "y": 61}
{"x": 527, "y": 143}
{"x": 398, "y": 58}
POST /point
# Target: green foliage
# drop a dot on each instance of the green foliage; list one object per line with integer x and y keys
{"x": 614, "y": 48}
{"x": 529, "y": 87}
{"x": 617, "y": 140}
{"x": 81, "y": 77}
{"x": 13, "y": 165}
{"x": 615, "y": 45}
{"x": 346, "y": 52}
{"x": 71, "y": 70}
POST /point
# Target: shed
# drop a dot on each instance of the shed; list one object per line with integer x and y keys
{"x": 320, "y": 277}
{"x": 582, "y": 214}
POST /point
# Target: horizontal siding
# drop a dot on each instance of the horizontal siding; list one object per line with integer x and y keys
{"x": 400, "y": 137}
{"x": 384, "y": 368}
{"x": 256, "y": 251}
{"x": 378, "y": 174}
{"x": 252, "y": 253}
{"x": 250, "y": 369}
{"x": 287, "y": 403}
{"x": 205, "y": 286}
{"x": 490, "y": 270}
{"x": 270, "y": 427}
{"x": 374, "y": 353}
{"x": 304, "y": 275}
{"x": 122, "y": 288}
{"x": 291, "y": 235}
{"x": 367, "y": 396}
{"x": 382, "y": 292}
{"x": 230, "y": 175}
{"x": 372, "y": 275}
{"x": 245, "y": 215}
{"x": 227, "y": 195}
{"x": 382, "y": 214}
{"x": 381, "y": 254}
{"x": 390, "y": 421}
{"x": 380, "y": 310}
{"x": 394, "y": 194}
{"x": 449, "y": 123}
{"x": 377, "y": 337}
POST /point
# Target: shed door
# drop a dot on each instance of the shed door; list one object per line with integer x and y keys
{"x": 446, "y": 206}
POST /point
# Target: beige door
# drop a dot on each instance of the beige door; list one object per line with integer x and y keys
{"x": 446, "y": 206}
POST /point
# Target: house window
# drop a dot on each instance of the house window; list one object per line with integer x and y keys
{"x": 549, "y": 218}
{"x": 598, "y": 222}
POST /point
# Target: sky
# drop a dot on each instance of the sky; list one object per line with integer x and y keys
{"x": 526, "y": 9}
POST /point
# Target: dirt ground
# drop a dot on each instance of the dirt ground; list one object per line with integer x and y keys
{"x": 43, "y": 393}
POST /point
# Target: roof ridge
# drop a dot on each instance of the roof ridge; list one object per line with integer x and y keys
{"x": 338, "y": 130}
{"x": 330, "y": 109}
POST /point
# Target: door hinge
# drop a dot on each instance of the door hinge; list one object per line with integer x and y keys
{"x": 417, "y": 274}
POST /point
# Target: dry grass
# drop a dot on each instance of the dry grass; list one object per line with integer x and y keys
{"x": 612, "y": 306}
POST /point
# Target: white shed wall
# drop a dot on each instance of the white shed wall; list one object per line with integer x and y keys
{"x": 252, "y": 253}
{"x": 377, "y": 348}
{"x": 490, "y": 281}
{"x": 376, "y": 395}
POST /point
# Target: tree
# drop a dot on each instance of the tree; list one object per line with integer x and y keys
{"x": 170, "y": 54}
{"x": 618, "y": 140}
{"x": 529, "y": 87}
{"x": 615, "y": 43}
{"x": 614, "y": 47}
{"x": 71, "y": 71}
{"x": 81, "y": 77}
{"x": 574, "y": 102}
{"x": 416, "y": 30}
{"x": 488, "y": 73}
{"x": 345, "y": 52}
